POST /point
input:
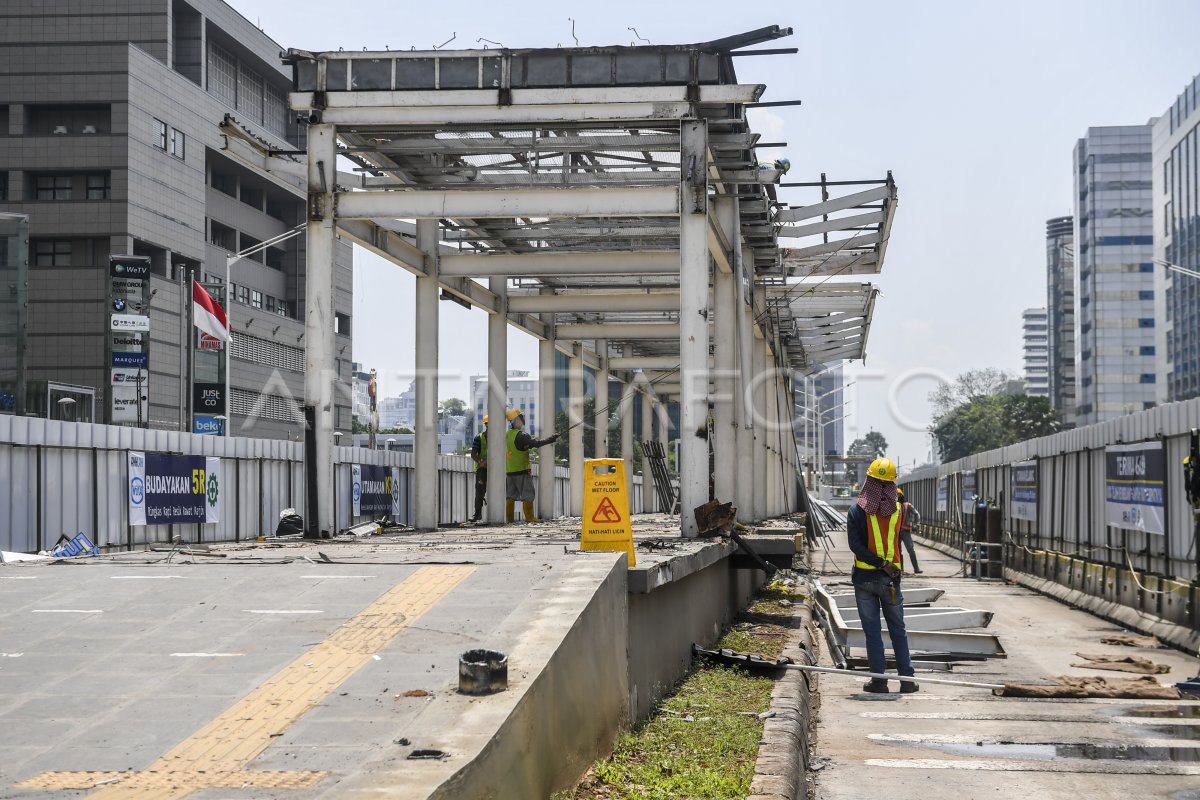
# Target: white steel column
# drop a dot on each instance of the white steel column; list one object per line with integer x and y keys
{"x": 575, "y": 434}
{"x": 649, "y": 503}
{"x": 601, "y": 405}
{"x": 546, "y": 411}
{"x": 761, "y": 431}
{"x": 724, "y": 342}
{"x": 626, "y": 409}
{"x": 745, "y": 410}
{"x": 319, "y": 369}
{"x": 497, "y": 400}
{"x": 425, "y": 448}
{"x": 772, "y": 413}
{"x": 693, "y": 321}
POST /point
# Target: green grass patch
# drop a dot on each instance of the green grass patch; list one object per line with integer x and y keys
{"x": 702, "y": 741}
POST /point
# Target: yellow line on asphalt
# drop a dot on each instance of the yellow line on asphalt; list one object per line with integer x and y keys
{"x": 216, "y": 756}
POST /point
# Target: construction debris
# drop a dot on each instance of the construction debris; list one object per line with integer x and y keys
{"x": 1128, "y": 640}
{"x": 1143, "y": 688}
{"x": 1143, "y": 666}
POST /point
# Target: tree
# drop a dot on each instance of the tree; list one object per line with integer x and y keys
{"x": 991, "y": 421}
{"x": 970, "y": 386}
{"x": 454, "y": 407}
{"x": 873, "y": 444}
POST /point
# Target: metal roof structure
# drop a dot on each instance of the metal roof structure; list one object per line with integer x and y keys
{"x": 612, "y": 201}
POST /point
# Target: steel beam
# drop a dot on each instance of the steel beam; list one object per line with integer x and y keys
{"x": 630, "y": 201}
{"x": 575, "y": 434}
{"x": 975, "y": 644}
{"x": 595, "y": 301}
{"x": 553, "y": 264}
{"x": 550, "y": 96}
{"x": 617, "y": 331}
{"x": 425, "y": 318}
{"x": 497, "y": 400}
{"x": 835, "y": 204}
{"x": 762, "y": 431}
{"x": 935, "y": 619}
{"x": 644, "y": 362}
{"x": 319, "y": 371}
{"x": 693, "y": 322}
{"x": 911, "y": 597}
{"x": 830, "y": 226}
{"x": 857, "y": 241}
{"x": 626, "y": 411}
{"x": 546, "y": 464}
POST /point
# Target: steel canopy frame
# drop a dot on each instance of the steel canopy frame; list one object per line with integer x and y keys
{"x": 575, "y": 181}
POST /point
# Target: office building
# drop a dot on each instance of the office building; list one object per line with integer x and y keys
{"x": 1060, "y": 316}
{"x": 1037, "y": 355}
{"x": 1114, "y": 298}
{"x": 115, "y": 145}
{"x": 522, "y": 394}
{"x": 1176, "y": 175}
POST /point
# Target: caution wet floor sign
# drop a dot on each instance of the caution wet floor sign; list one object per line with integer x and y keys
{"x": 606, "y": 507}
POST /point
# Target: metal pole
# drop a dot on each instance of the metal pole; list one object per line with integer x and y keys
{"x": 425, "y": 450}
{"x": 318, "y": 328}
{"x": 601, "y": 405}
{"x": 546, "y": 411}
{"x": 725, "y": 306}
{"x": 575, "y": 431}
{"x": 649, "y": 504}
{"x": 693, "y": 322}
{"x": 497, "y": 400}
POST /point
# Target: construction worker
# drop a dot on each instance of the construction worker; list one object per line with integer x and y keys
{"x": 873, "y": 528}
{"x": 910, "y": 518}
{"x": 518, "y": 484}
{"x": 479, "y": 456}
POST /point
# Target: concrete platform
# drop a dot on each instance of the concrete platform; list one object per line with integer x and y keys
{"x": 320, "y": 669}
{"x": 959, "y": 742}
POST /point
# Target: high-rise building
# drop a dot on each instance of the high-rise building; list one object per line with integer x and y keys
{"x": 522, "y": 394}
{"x": 1037, "y": 354}
{"x": 111, "y": 119}
{"x": 1060, "y": 316}
{"x": 360, "y": 404}
{"x": 1115, "y": 363}
{"x": 1176, "y": 171}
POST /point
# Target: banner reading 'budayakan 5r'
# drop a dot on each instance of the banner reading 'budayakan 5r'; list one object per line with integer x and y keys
{"x": 169, "y": 489}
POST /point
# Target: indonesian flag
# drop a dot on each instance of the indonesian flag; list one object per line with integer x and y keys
{"x": 207, "y": 315}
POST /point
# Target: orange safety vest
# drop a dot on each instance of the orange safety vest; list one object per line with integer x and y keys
{"x": 888, "y": 549}
{"x": 904, "y": 516}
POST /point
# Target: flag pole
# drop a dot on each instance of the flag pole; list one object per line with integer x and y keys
{"x": 191, "y": 356}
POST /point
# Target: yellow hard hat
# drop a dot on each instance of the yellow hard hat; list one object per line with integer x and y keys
{"x": 883, "y": 469}
{"x": 485, "y": 416}
{"x": 900, "y": 493}
{"x": 512, "y": 414}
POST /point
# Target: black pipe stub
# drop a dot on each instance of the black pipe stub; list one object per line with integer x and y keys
{"x": 482, "y": 672}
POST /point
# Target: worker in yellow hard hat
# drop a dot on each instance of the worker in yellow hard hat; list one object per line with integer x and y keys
{"x": 873, "y": 530}
{"x": 518, "y": 483}
{"x": 479, "y": 456}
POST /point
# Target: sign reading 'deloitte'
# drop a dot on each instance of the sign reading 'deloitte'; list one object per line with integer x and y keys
{"x": 375, "y": 490}
{"x": 1023, "y": 490}
{"x": 1134, "y": 486}
{"x": 166, "y": 489}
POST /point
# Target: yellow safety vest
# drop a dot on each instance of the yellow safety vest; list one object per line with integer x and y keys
{"x": 889, "y": 550}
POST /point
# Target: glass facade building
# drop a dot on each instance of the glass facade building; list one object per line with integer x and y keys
{"x": 1115, "y": 349}
{"x": 1060, "y": 316}
{"x": 1037, "y": 352}
{"x": 1176, "y": 177}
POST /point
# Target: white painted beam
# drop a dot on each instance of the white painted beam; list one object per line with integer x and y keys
{"x": 644, "y": 362}
{"x": 577, "y": 301}
{"x": 630, "y": 201}
{"x": 549, "y": 96}
{"x": 857, "y": 241}
{"x": 832, "y": 225}
{"x": 547, "y": 411}
{"x": 618, "y": 330}
{"x": 425, "y": 442}
{"x": 536, "y": 265}
{"x": 497, "y": 400}
{"x": 835, "y": 204}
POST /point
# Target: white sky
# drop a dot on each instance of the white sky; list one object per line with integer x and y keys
{"x": 974, "y": 107}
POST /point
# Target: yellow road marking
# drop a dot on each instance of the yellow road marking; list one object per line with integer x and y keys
{"x": 216, "y": 755}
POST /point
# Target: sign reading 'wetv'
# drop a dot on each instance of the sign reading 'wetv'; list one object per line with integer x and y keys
{"x": 169, "y": 489}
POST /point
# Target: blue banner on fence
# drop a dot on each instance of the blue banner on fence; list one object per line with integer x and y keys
{"x": 1023, "y": 491}
{"x": 374, "y": 490}
{"x": 1135, "y": 487}
{"x": 169, "y": 489}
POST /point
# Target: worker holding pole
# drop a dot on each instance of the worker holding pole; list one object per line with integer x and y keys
{"x": 873, "y": 528}
{"x": 518, "y": 482}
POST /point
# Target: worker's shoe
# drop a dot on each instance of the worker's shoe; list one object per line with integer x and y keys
{"x": 509, "y": 512}
{"x": 527, "y": 511}
{"x": 876, "y": 686}
{"x": 908, "y": 687}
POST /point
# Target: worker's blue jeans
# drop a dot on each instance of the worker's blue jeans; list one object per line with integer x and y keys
{"x": 871, "y": 595}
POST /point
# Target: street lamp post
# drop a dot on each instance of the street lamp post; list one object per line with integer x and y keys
{"x": 64, "y": 403}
